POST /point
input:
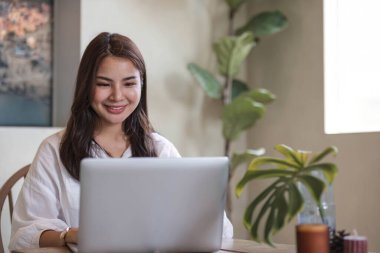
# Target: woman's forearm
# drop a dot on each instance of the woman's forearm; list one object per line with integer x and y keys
{"x": 51, "y": 238}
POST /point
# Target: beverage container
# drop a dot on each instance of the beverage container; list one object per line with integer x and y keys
{"x": 312, "y": 238}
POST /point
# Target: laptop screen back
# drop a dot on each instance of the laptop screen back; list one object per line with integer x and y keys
{"x": 147, "y": 204}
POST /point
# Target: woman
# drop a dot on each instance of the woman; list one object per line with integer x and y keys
{"x": 108, "y": 119}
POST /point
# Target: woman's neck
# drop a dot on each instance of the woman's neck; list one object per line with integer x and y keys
{"x": 112, "y": 140}
{"x": 114, "y": 133}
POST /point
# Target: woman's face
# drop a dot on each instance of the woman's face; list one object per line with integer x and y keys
{"x": 117, "y": 90}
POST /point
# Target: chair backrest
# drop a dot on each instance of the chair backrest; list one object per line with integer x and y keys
{"x": 6, "y": 191}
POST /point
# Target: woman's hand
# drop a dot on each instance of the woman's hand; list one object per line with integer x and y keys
{"x": 72, "y": 236}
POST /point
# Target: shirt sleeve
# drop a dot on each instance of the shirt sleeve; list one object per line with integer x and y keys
{"x": 164, "y": 147}
{"x": 38, "y": 205}
{"x": 228, "y": 230}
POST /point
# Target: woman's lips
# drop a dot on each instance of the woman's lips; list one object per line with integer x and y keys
{"x": 115, "y": 109}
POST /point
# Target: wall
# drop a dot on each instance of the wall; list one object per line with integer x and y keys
{"x": 66, "y": 56}
{"x": 290, "y": 64}
{"x": 171, "y": 34}
{"x": 18, "y": 146}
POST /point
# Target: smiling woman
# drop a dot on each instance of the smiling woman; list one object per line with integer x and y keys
{"x": 117, "y": 90}
{"x": 108, "y": 119}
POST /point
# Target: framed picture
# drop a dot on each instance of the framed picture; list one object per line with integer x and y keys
{"x": 26, "y": 62}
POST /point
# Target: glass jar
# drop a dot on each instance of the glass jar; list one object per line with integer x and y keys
{"x": 311, "y": 213}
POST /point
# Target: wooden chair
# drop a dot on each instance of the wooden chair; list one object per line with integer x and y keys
{"x": 6, "y": 191}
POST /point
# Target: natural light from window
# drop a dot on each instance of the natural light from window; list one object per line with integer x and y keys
{"x": 352, "y": 66}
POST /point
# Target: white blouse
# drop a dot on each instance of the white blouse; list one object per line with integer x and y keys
{"x": 49, "y": 198}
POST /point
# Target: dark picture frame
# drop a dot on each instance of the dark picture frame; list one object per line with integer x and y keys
{"x": 26, "y": 62}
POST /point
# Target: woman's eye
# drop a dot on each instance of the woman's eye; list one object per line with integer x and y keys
{"x": 129, "y": 84}
{"x": 102, "y": 84}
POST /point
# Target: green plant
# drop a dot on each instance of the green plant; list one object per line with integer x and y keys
{"x": 242, "y": 107}
{"x": 281, "y": 201}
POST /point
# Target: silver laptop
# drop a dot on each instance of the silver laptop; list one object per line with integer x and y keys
{"x": 152, "y": 204}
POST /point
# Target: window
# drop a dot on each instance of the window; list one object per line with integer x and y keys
{"x": 352, "y": 66}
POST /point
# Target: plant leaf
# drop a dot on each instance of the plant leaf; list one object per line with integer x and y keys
{"x": 206, "y": 80}
{"x": 273, "y": 202}
{"x": 238, "y": 87}
{"x": 257, "y": 162}
{"x": 281, "y": 212}
{"x": 240, "y": 114}
{"x": 329, "y": 170}
{"x": 247, "y": 219}
{"x": 303, "y": 156}
{"x": 314, "y": 185}
{"x": 269, "y": 226}
{"x": 289, "y": 153}
{"x": 264, "y": 208}
{"x": 260, "y": 95}
{"x": 248, "y": 155}
{"x": 265, "y": 23}
{"x": 256, "y": 174}
{"x": 295, "y": 201}
{"x": 279, "y": 203}
{"x": 231, "y": 51}
{"x": 320, "y": 156}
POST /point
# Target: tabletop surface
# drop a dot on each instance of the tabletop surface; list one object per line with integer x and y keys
{"x": 231, "y": 245}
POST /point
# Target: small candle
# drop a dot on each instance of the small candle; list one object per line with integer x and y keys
{"x": 355, "y": 244}
{"x": 312, "y": 238}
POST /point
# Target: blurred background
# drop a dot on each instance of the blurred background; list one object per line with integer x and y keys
{"x": 173, "y": 33}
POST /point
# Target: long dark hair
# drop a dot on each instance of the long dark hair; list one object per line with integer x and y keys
{"x": 77, "y": 139}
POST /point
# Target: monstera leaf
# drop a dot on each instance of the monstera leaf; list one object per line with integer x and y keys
{"x": 206, "y": 80}
{"x": 265, "y": 23}
{"x": 231, "y": 51}
{"x": 281, "y": 201}
{"x": 246, "y": 156}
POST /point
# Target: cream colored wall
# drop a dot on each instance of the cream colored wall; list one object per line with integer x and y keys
{"x": 18, "y": 146}
{"x": 290, "y": 64}
{"x": 171, "y": 34}
{"x": 66, "y": 56}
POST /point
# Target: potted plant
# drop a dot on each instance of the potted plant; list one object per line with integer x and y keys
{"x": 282, "y": 200}
{"x": 242, "y": 107}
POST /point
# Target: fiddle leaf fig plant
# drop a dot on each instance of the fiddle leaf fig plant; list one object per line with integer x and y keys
{"x": 281, "y": 201}
{"x": 242, "y": 107}
{"x": 231, "y": 52}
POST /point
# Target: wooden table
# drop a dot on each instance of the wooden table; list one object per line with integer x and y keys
{"x": 246, "y": 246}
{"x": 232, "y": 245}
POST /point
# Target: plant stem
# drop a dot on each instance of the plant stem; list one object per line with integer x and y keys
{"x": 226, "y": 99}
{"x": 227, "y": 148}
{"x": 227, "y": 90}
{"x": 231, "y": 22}
{"x": 322, "y": 213}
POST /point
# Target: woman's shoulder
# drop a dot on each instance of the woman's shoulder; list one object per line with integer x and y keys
{"x": 46, "y": 162}
{"x": 164, "y": 147}
{"x": 54, "y": 139}
{"x": 51, "y": 143}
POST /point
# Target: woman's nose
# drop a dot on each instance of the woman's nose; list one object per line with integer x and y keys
{"x": 116, "y": 93}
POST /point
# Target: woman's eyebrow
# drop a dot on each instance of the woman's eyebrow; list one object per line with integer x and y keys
{"x": 110, "y": 80}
